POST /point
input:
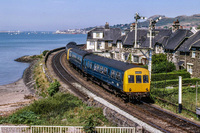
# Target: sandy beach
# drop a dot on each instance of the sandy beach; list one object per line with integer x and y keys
{"x": 14, "y": 96}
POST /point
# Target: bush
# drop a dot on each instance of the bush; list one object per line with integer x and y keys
{"x": 162, "y": 67}
{"x": 170, "y": 75}
{"x": 44, "y": 52}
{"x": 53, "y": 88}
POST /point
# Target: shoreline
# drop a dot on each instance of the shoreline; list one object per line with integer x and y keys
{"x": 19, "y": 93}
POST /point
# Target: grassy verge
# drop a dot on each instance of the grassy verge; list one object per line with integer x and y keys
{"x": 188, "y": 100}
{"x": 40, "y": 79}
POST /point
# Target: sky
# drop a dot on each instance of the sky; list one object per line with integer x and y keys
{"x": 52, "y": 15}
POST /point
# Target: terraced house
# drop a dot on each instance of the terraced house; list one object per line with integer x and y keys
{"x": 182, "y": 46}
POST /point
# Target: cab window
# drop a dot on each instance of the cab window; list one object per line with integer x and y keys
{"x": 130, "y": 78}
{"x": 145, "y": 79}
{"x": 138, "y": 79}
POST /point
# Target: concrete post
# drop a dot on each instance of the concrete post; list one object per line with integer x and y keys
{"x": 180, "y": 95}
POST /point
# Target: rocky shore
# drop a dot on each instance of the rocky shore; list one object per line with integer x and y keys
{"x": 19, "y": 93}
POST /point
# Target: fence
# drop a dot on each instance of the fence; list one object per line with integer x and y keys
{"x": 63, "y": 129}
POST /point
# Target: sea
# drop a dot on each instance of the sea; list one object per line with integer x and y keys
{"x": 17, "y": 44}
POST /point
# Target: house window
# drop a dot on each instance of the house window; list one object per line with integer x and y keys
{"x": 193, "y": 54}
{"x": 136, "y": 59}
{"x": 189, "y": 67}
{"x": 109, "y": 44}
{"x": 97, "y": 35}
{"x": 91, "y": 43}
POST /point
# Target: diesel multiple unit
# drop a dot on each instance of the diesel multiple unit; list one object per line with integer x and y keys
{"x": 120, "y": 76}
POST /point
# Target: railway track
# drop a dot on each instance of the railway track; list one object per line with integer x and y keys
{"x": 147, "y": 113}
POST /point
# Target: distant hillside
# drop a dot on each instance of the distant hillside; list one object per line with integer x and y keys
{"x": 166, "y": 22}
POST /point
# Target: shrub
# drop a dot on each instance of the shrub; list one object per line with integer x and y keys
{"x": 53, "y": 88}
{"x": 170, "y": 75}
{"x": 44, "y": 52}
{"x": 25, "y": 117}
{"x": 174, "y": 82}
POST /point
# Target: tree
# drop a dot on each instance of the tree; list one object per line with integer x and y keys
{"x": 160, "y": 64}
{"x": 198, "y": 27}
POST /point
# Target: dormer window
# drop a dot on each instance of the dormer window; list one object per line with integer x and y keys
{"x": 97, "y": 35}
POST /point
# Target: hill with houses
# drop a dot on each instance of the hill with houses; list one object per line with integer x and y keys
{"x": 165, "y": 22}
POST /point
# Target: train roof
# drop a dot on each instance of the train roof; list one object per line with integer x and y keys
{"x": 110, "y": 62}
{"x": 71, "y": 45}
{"x": 79, "y": 51}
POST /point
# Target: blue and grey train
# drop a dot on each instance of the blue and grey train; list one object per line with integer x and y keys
{"x": 124, "y": 77}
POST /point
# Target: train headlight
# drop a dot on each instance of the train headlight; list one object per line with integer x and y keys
{"x": 147, "y": 89}
{"x": 129, "y": 89}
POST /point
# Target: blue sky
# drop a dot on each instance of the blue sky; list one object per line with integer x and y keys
{"x": 51, "y": 15}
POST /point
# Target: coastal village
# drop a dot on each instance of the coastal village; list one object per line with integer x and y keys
{"x": 182, "y": 46}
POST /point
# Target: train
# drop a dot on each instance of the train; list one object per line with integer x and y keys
{"x": 121, "y": 77}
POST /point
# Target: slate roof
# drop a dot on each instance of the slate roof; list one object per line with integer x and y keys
{"x": 110, "y": 62}
{"x": 177, "y": 38}
{"x": 129, "y": 38}
{"x": 111, "y": 34}
{"x": 192, "y": 41}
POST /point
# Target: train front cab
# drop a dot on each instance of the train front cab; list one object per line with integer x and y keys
{"x": 136, "y": 81}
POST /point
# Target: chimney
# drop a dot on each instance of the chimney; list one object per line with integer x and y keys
{"x": 107, "y": 25}
{"x": 175, "y": 25}
{"x": 132, "y": 27}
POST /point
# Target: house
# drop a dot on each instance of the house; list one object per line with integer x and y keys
{"x": 189, "y": 55}
{"x": 102, "y": 38}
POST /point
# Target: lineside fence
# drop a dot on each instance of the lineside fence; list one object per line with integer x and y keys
{"x": 63, "y": 129}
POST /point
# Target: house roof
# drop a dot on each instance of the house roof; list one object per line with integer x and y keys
{"x": 192, "y": 41}
{"x": 177, "y": 38}
{"x": 111, "y": 34}
{"x": 129, "y": 38}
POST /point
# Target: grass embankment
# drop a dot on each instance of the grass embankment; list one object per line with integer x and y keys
{"x": 171, "y": 93}
{"x": 57, "y": 109}
{"x": 60, "y": 109}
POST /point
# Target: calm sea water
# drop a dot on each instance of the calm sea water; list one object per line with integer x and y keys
{"x": 13, "y": 45}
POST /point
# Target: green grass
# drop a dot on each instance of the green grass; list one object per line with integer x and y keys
{"x": 61, "y": 109}
{"x": 188, "y": 99}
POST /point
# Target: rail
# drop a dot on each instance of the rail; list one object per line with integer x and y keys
{"x": 63, "y": 129}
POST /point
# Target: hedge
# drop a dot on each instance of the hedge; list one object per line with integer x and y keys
{"x": 174, "y": 82}
{"x": 169, "y": 76}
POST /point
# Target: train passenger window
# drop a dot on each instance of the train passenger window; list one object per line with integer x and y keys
{"x": 145, "y": 79}
{"x": 101, "y": 69}
{"x": 105, "y": 70}
{"x": 138, "y": 79}
{"x": 88, "y": 64}
{"x": 113, "y": 74}
{"x": 95, "y": 67}
{"x": 118, "y": 75}
{"x": 130, "y": 78}
{"x": 91, "y": 65}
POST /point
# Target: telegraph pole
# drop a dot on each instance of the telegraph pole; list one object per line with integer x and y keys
{"x": 151, "y": 28}
{"x": 137, "y": 17}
